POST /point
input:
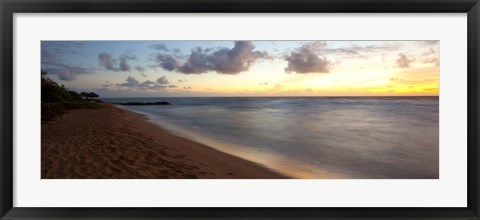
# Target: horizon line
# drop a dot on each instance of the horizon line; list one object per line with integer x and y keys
{"x": 372, "y": 96}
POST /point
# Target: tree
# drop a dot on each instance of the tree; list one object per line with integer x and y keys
{"x": 57, "y": 100}
{"x": 93, "y": 95}
{"x": 84, "y": 94}
{"x": 74, "y": 96}
{"x": 51, "y": 91}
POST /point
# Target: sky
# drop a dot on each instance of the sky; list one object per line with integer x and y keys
{"x": 244, "y": 68}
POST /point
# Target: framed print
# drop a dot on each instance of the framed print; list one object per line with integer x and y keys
{"x": 255, "y": 110}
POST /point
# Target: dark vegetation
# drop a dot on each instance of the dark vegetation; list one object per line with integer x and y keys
{"x": 144, "y": 103}
{"x": 57, "y": 100}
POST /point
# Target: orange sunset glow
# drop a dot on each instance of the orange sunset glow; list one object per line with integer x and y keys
{"x": 245, "y": 68}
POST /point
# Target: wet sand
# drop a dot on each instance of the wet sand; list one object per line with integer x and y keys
{"x": 113, "y": 143}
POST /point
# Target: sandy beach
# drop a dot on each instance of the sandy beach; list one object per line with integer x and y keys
{"x": 112, "y": 143}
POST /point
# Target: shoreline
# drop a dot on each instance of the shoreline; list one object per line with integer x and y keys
{"x": 114, "y": 143}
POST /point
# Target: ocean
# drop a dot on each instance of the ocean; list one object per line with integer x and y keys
{"x": 312, "y": 137}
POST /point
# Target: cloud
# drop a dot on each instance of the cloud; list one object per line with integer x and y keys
{"x": 305, "y": 60}
{"x": 52, "y": 64}
{"x": 48, "y": 57}
{"x": 403, "y": 61}
{"x": 159, "y": 87}
{"x": 106, "y": 60}
{"x": 317, "y": 45}
{"x": 130, "y": 81}
{"x": 65, "y": 72}
{"x": 395, "y": 79}
{"x": 353, "y": 51}
{"x": 107, "y": 84}
{"x": 431, "y": 56}
{"x": 263, "y": 83}
{"x": 141, "y": 70}
{"x": 147, "y": 83}
{"x": 63, "y": 47}
{"x": 160, "y": 84}
{"x": 124, "y": 66}
{"x": 432, "y": 60}
{"x": 374, "y": 48}
{"x": 189, "y": 87}
{"x": 237, "y": 59}
{"x": 429, "y": 52}
{"x": 223, "y": 60}
{"x": 167, "y": 62}
{"x": 163, "y": 80}
{"x": 198, "y": 62}
{"x": 159, "y": 46}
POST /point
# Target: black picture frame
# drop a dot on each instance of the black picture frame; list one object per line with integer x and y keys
{"x": 9, "y": 7}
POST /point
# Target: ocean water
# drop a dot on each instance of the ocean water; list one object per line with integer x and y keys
{"x": 312, "y": 137}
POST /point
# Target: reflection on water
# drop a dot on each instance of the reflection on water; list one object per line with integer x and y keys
{"x": 313, "y": 137}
